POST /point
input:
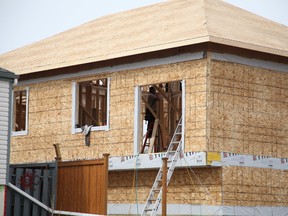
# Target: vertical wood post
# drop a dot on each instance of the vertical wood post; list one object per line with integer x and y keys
{"x": 105, "y": 184}
{"x": 58, "y": 152}
{"x": 164, "y": 187}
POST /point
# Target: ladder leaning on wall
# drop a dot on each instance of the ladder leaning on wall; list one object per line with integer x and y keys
{"x": 173, "y": 152}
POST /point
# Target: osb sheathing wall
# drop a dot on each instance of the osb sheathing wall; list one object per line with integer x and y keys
{"x": 227, "y": 186}
{"x": 50, "y": 114}
{"x": 202, "y": 186}
{"x": 248, "y": 110}
{"x": 246, "y": 186}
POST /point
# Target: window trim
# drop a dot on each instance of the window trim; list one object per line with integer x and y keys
{"x": 25, "y": 132}
{"x": 137, "y": 114}
{"x": 75, "y": 103}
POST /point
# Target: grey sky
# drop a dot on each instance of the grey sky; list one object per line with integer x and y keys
{"x": 25, "y": 21}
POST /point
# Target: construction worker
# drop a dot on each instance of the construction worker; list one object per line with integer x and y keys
{"x": 152, "y": 98}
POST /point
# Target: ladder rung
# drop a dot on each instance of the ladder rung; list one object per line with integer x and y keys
{"x": 148, "y": 209}
{"x": 156, "y": 189}
{"x": 155, "y": 193}
{"x": 171, "y": 151}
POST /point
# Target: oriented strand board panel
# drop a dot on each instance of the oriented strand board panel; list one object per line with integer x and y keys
{"x": 197, "y": 186}
{"x": 248, "y": 110}
{"x": 50, "y": 114}
{"x": 246, "y": 186}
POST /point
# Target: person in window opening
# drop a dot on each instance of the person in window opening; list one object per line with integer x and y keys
{"x": 152, "y": 98}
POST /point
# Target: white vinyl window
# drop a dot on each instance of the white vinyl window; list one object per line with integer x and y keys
{"x": 20, "y": 112}
{"x": 90, "y": 105}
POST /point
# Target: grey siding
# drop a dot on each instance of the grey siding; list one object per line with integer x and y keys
{"x": 4, "y": 128}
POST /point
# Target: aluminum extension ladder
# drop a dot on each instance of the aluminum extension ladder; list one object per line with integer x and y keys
{"x": 173, "y": 153}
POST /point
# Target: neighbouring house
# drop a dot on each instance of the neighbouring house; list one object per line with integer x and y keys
{"x": 222, "y": 69}
{"x": 7, "y": 79}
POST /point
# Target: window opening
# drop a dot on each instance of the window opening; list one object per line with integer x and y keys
{"x": 92, "y": 103}
{"x": 161, "y": 109}
{"x": 20, "y": 108}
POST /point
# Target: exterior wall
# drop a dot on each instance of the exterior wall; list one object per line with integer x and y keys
{"x": 187, "y": 186}
{"x": 4, "y": 128}
{"x": 246, "y": 186}
{"x": 50, "y": 111}
{"x": 248, "y": 110}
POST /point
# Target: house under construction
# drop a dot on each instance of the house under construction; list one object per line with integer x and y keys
{"x": 221, "y": 82}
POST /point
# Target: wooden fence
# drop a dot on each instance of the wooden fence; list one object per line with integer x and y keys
{"x": 82, "y": 186}
{"x": 36, "y": 180}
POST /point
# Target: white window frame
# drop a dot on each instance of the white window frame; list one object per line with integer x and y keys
{"x": 137, "y": 114}
{"x": 75, "y": 103}
{"x": 25, "y": 132}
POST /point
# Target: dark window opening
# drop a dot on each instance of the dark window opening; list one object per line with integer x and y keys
{"x": 19, "y": 113}
{"x": 92, "y": 100}
{"x": 160, "y": 120}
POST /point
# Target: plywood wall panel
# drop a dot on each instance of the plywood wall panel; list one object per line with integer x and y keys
{"x": 50, "y": 113}
{"x": 254, "y": 187}
{"x": 202, "y": 186}
{"x": 247, "y": 110}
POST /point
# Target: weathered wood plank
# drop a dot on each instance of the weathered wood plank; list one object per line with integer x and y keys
{"x": 36, "y": 192}
{"x": 28, "y": 179}
{"x": 45, "y": 195}
{"x": 17, "y": 203}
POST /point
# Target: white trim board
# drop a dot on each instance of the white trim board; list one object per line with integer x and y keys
{"x": 137, "y": 105}
{"x": 251, "y": 62}
{"x": 131, "y": 66}
{"x": 196, "y": 210}
{"x": 162, "y": 61}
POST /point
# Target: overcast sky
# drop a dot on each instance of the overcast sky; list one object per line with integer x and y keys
{"x": 25, "y": 21}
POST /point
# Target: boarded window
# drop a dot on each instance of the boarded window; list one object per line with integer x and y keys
{"x": 20, "y": 111}
{"x": 92, "y": 103}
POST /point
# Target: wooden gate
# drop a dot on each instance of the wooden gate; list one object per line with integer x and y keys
{"x": 38, "y": 180}
{"x": 82, "y": 186}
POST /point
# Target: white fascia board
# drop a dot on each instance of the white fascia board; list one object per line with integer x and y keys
{"x": 118, "y": 68}
{"x": 250, "y": 62}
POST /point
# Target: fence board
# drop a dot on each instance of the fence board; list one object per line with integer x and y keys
{"x": 17, "y": 203}
{"x": 28, "y": 189}
{"x": 81, "y": 186}
{"x": 36, "y": 192}
{"x": 45, "y": 191}
{"x": 37, "y": 181}
{"x": 10, "y": 195}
